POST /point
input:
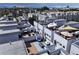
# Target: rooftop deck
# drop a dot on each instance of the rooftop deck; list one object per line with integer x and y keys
{"x": 31, "y": 48}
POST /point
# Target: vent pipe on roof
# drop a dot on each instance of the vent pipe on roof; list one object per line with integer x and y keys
{"x": 10, "y": 42}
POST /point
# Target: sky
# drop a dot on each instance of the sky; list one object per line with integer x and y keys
{"x": 38, "y": 5}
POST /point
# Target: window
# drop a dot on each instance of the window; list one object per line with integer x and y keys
{"x": 76, "y": 54}
{"x": 55, "y": 42}
{"x": 19, "y": 36}
{"x": 47, "y": 34}
{"x": 63, "y": 46}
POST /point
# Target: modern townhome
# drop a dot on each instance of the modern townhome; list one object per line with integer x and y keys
{"x": 44, "y": 32}
{"x": 66, "y": 35}
{"x": 59, "y": 33}
{"x": 63, "y": 40}
{"x": 46, "y": 28}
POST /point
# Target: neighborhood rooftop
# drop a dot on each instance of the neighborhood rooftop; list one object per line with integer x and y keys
{"x": 26, "y": 31}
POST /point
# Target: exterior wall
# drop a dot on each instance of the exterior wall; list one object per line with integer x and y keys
{"x": 30, "y": 15}
{"x": 40, "y": 27}
{"x": 36, "y": 25}
{"x": 63, "y": 43}
{"x": 69, "y": 44}
{"x": 63, "y": 52}
{"x": 60, "y": 41}
{"x": 46, "y": 33}
{"x": 74, "y": 50}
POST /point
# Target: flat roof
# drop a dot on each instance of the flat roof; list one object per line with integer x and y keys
{"x": 4, "y": 21}
{"x": 28, "y": 39}
{"x": 15, "y": 48}
{"x": 71, "y": 22}
{"x": 31, "y": 48}
{"x": 5, "y": 25}
{"x": 9, "y": 31}
{"x": 60, "y": 19}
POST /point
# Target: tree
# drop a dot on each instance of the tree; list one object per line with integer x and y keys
{"x": 67, "y": 6}
{"x": 32, "y": 19}
{"x": 45, "y": 8}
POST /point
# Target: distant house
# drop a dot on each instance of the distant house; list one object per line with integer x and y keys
{"x": 41, "y": 17}
{"x": 22, "y": 19}
{"x": 30, "y": 15}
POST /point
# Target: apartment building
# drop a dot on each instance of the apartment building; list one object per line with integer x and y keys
{"x": 45, "y": 28}
{"x": 69, "y": 15}
{"x": 44, "y": 32}
{"x": 57, "y": 37}
{"x": 66, "y": 35}
{"x": 61, "y": 42}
